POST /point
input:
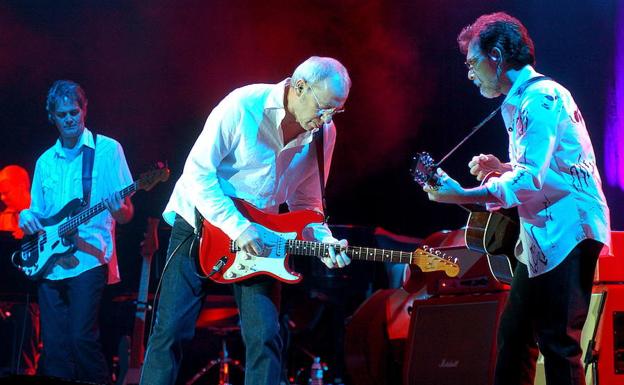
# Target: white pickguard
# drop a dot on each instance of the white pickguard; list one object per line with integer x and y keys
{"x": 273, "y": 263}
{"x": 48, "y": 245}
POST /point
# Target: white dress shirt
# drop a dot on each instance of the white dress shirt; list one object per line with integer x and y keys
{"x": 555, "y": 181}
{"x": 241, "y": 153}
{"x": 58, "y": 180}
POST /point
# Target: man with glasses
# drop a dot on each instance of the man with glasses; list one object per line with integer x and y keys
{"x": 553, "y": 180}
{"x": 256, "y": 145}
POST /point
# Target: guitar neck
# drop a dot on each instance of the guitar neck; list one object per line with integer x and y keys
{"x": 142, "y": 295}
{"x": 317, "y": 249}
{"x": 82, "y": 217}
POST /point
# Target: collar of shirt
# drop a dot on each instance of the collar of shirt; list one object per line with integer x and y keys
{"x": 526, "y": 73}
{"x": 275, "y": 101}
{"x": 86, "y": 139}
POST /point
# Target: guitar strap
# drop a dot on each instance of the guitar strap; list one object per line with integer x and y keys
{"x": 476, "y": 128}
{"x": 527, "y": 83}
{"x": 320, "y": 158}
{"x": 88, "y": 154}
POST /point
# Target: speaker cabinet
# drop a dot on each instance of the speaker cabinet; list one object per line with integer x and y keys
{"x": 452, "y": 340}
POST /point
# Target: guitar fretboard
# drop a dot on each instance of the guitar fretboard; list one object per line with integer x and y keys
{"x": 317, "y": 249}
{"x": 72, "y": 224}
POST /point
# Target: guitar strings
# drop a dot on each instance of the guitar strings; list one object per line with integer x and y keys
{"x": 73, "y": 223}
{"x": 316, "y": 247}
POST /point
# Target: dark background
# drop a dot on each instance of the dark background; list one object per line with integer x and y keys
{"x": 154, "y": 70}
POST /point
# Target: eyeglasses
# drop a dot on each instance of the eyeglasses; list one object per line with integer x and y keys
{"x": 326, "y": 114}
{"x": 472, "y": 62}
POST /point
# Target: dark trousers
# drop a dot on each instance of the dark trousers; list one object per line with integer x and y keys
{"x": 70, "y": 329}
{"x": 548, "y": 310}
{"x": 178, "y": 308}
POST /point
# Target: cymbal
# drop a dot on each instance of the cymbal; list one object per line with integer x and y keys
{"x": 212, "y": 317}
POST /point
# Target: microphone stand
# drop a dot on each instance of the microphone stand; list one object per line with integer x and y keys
{"x": 591, "y": 353}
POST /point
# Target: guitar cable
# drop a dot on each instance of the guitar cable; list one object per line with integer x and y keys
{"x": 156, "y": 293}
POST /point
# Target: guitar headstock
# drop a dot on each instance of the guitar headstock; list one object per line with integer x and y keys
{"x": 424, "y": 169}
{"x": 151, "y": 178}
{"x": 429, "y": 259}
{"x": 150, "y": 242}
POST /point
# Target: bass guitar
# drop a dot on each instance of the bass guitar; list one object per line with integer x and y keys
{"x": 491, "y": 232}
{"x": 39, "y": 251}
{"x": 223, "y": 262}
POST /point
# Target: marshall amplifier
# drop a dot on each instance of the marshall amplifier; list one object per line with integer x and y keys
{"x": 452, "y": 340}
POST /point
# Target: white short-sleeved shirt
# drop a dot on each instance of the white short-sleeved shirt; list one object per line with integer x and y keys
{"x": 58, "y": 180}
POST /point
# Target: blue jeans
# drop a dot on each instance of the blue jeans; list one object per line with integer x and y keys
{"x": 178, "y": 308}
{"x": 69, "y": 327}
{"x": 549, "y": 309}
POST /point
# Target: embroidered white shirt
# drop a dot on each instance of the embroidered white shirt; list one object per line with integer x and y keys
{"x": 58, "y": 180}
{"x": 555, "y": 182}
{"x": 241, "y": 153}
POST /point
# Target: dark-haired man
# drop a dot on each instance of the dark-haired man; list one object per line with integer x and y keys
{"x": 553, "y": 180}
{"x": 70, "y": 291}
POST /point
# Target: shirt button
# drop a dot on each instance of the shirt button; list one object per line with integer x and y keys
{"x": 510, "y": 129}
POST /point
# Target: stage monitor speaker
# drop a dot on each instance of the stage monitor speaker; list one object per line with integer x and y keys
{"x": 452, "y": 340}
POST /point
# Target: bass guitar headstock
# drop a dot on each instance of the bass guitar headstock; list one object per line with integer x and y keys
{"x": 149, "y": 179}
{"x": 149, "y": 245}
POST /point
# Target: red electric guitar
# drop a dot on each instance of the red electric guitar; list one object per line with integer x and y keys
{"x": 223, "y": 262}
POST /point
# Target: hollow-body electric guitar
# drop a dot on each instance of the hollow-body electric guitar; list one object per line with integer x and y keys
{"x": 223, "y": 262}
{"x": 39, "y": 251}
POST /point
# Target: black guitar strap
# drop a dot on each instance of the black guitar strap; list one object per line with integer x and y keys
{"x": 476, "y": 128}
{"x": 527, "y": 83}
{"x": 320, "y": 158}
{"x": 88, "y": 154}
